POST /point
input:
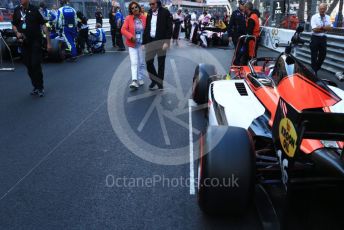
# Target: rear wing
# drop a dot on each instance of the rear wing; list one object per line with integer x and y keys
{"x": 321, "y": 126}
{"x": 290, "y": 127}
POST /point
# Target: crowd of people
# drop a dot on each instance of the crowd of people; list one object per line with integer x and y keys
{"x": 153, "y": 30}
{"x": 73, "y": 26}
{"x": 147, "y": 35}
{"x": 31, "y": 24}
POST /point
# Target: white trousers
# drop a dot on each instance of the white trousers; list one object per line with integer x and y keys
{"x": 137, "y": 61}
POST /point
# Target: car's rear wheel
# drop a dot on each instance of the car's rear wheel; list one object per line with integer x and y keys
{"x": 203, "y": 73}
{"x": 224, "y": 39}
{"x": 58, "y": 52}
{"x": 226, "y": 173}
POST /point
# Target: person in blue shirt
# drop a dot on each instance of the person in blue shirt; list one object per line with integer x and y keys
{"x": 66, "y": 24}
{"x": 50, "y": 17}
{"x": 98, "y": 39}
{"x": 119, "y": 19}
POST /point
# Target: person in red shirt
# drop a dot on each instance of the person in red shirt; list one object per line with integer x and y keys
{"x": 252, "y": 28}
{"x": 132, "y": 29}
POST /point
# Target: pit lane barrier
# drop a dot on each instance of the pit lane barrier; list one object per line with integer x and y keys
{"x": 334, "y": 61}
{"x": 92, "y": 25}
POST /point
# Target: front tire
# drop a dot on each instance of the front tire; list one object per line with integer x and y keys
{"x": 203, "y": 73}
{"x": 226, "y": 170}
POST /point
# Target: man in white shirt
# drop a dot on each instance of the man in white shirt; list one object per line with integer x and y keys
{"x": 156, "y": 38}
{"x": 320, "y": 24}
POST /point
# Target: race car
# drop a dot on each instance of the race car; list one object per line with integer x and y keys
{"x": 58, "y": 52}
{"x": 270, "y": 122}
{"x": 210, "y": 34}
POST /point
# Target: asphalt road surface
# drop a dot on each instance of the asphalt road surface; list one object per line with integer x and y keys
{"x": 92, "y": 154}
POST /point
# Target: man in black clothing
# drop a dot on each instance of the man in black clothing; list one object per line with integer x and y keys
{"x": 113, "y": 24}
{"x": 99, "y": 16}
{"x": 156, "y": 37}
{"x": 82, "y": 39}
{"x": 237, "y": 23}
{"x": 27, "y": 23}
{"x": 187, "y": 24}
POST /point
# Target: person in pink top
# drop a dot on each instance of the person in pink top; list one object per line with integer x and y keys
{"x": 132, "y": 29}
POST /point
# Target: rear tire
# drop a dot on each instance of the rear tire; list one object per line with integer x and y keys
{"x": 58, "y": 52}
{"x": 203, "y": 73}
{"x": 224, "y": 39}
{"x": 226, "y": 171}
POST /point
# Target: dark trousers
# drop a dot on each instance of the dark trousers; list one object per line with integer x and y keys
{"x": 187, "y": 31}
{"x": 119, "y": 39}
{"x": 83, "y": 40}
{"x": 32, "y": 58}
{"x": 155, "y": 49}
{"x": 113, "y": 36}
{"x": 318, "y": 51}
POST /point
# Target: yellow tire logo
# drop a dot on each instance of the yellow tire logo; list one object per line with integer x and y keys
{"x": 288, "y": 136}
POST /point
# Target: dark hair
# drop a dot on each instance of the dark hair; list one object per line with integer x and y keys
{"x": 79, "y": 14}
{"x": 249, "y": 6}
{"x": 131, "y": 5}
{"x": 63, "y": 2}
{"x": 42, "y": 5}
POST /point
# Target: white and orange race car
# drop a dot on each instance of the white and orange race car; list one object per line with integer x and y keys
{"x": 273, "y": 121}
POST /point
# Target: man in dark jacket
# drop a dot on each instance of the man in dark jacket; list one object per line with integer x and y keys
{"x": 113, "y": 24}
{"x": 26, "y": 24}
{"x": 237, "y": 23}
{"x": 187, "y": 24}
{"x": 156, "y": 37}
{"x": 119, "y": 22}
{"x": 99, "y": 16}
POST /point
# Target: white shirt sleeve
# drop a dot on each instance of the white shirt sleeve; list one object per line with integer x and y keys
{"x": 314, "y": 20}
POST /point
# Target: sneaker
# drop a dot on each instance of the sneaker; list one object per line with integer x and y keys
{"x": 161, "y": 88}
{"x": 34, "y": 92}
{"x": 141, "y": 82}
{"x": 134, "y": 85}
{"x": 152, "y": 86}
{"x": 41, "y": 93}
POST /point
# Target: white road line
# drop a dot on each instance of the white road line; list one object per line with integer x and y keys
{"x": 192, "y": 173}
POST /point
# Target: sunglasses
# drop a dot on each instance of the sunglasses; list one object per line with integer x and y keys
{"x": 152, "y": 4}
{"x": 134, "y": 8}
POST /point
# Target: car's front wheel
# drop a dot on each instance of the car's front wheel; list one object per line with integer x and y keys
{"x": 226, "y": 173}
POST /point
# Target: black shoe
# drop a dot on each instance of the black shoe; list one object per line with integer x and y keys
{"x": 41, "y": 93}
{"x": 160, "y": 87}
{"x": 34, "y": 92}
{"x": 152, "y": 86}
{"x": 121, "y": 49}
